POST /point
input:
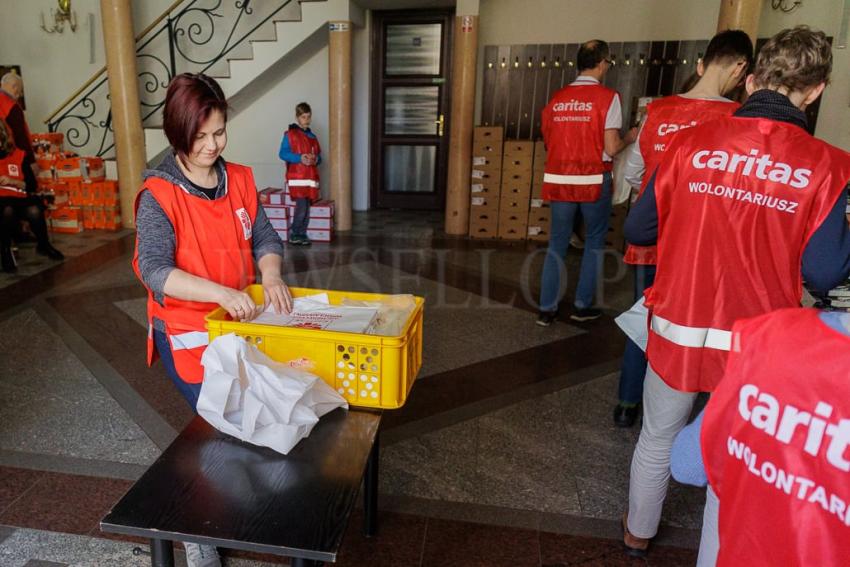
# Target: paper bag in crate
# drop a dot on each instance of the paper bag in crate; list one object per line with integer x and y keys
{"x": 254, "y": 398}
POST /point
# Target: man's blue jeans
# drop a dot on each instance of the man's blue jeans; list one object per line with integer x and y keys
{"x": 633, "y": 370}
{"x": 596, "y": 217}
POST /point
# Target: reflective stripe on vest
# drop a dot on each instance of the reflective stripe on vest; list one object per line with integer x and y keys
{"x": 697, "y": 337}
{"x": 572, "y": 179}
{"x": 303, "y": 183}
{"x": 190, "y": 340}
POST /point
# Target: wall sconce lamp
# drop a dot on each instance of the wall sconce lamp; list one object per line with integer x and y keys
{"x": 60, "y": 17}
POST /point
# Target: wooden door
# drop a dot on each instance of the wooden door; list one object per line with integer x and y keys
{"x": 410, "y": 108}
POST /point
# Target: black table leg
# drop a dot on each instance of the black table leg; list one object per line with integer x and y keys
{"x": 370, "y": 490}
{"x": 301, "y": 562}
{"x": 162, "y": 553}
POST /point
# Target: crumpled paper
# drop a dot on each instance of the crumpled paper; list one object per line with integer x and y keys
{"x": 256, "y": 399}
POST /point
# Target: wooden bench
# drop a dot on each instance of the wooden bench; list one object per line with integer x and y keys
{"x": 212, "y": 489}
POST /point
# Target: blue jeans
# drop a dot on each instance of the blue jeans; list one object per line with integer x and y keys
{"x": 300, "y": 218}
{"x": 188, "y": 391}
{"x": 633, "y": 370}
{"x": 596, "y": 216}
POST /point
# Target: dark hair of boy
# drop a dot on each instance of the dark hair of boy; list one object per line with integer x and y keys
{"x": 591, "y": 53}
{"x": 729, "y": 47}
{"x": 303, "y": 108}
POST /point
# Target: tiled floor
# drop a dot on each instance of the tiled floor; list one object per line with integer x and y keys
{"x": 505, "y": 453}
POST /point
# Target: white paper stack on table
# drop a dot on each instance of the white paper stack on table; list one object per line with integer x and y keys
{"x": 316, "y": 312}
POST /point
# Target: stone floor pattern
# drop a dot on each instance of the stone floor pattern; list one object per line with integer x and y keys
{"x": 505, "y": 453}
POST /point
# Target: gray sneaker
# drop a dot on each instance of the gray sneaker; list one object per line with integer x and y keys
{"x": 201, "y": 555}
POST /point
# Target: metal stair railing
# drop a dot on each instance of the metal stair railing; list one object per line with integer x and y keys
{"x": 191, "y": 36}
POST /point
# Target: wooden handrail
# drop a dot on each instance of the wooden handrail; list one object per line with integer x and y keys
{"x": 102, "y": 70}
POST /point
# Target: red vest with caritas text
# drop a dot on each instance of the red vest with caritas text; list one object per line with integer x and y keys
{"x": 302, "y": 180}
{"x": 738, "y": 200}
{"x": 776, "y": 443}
{"x": 214, "y": 242}
{"x": 573, "y": 126}
{"x": 665, "y": 117}
{"x": 12, "y": 166}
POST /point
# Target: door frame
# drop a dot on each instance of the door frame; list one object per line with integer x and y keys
{"x": 413, "y": 201}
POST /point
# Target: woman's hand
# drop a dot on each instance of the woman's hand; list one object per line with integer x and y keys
{"x": 239, "y": 305}
{"x": 277, "y": 294}
{"x": 9, "y": 182}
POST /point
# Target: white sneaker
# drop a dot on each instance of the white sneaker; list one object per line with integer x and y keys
{"x": 201, "y": 555}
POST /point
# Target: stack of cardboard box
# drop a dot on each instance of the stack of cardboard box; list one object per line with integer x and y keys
{"x": 485, "y": 182}
{"x": 76, "y": 189}
{"x": 517, "y": 167}
{"x": 280, "y": 207}
{"x": 539, "y": 217}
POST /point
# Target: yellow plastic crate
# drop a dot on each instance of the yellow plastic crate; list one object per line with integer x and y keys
{"x": 368, "y": 370}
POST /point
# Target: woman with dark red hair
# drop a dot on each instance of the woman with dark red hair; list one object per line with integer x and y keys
{"x": 199, "y": 232}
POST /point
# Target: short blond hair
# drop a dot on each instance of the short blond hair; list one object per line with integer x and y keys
{"x": 796, "y": 59}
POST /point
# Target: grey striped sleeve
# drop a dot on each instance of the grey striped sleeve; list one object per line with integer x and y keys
{"x": 156, "y": 244}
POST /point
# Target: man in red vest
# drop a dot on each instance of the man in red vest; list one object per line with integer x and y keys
{"x": 775, "y": 447}
{"x": 581, "y": 130}
{"x": 739, "y": 208}
{"x": 11, "y": 91}
{"x": 724, "y": 66}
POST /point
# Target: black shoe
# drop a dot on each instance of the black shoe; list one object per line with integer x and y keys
{"x": 47, "y": 249}
{"x": 7, "y": 258}
{"x": 625, "y": 416}
{"x": 586, "y": 314}
{"x": 546, "y": 318}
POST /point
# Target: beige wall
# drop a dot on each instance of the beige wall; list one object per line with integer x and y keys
{"x": 55, "y": 65}
{"x": 507, "y": 22}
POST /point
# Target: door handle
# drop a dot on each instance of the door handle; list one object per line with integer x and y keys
{"x": 440, "y": 124}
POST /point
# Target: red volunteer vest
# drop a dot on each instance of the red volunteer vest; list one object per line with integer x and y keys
{"x": 12, "y": 166}
{"x": 573, "y": 125}
{"x": 302, "y": 180}
{"x": 214, "y": 242}
{"x": 665, "y": 117}
{"x": 7, "y": 103}
{"x": 733, "y": 220}
{"x": 775, "y": 443}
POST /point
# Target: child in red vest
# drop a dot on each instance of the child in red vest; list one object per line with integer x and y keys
{"x": 302, "y": 154}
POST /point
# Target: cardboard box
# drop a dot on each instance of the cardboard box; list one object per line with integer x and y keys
{"x": 75, "y": 192}
{"x": 488, "y": 149}
{"x": 68, "y": 220}
{"x": 539, "y": 165}
{"x": 513, "y": 206}
{"x": 112, "y": 218}
{"x": 45, "y": 168}
{"x": 520, "y": 178}
{"x": 68, "y": 169}
{"x": 323, "y": 209}
{"x": 517, "y": 163}
{"x": 539, "y": 216}
{"x": 480, "y": 205}
{"x": 320, "y": 235}
{"x": 109, "y": 195}
{"x": 515, "y": 192}
{"x": 271, "y": 196}
{"x": 514, "y": 229}
{"x": 276, "y": 211}
{"x": 47, "y": 142}
{"x": 486, "y": 175}
{"x": 93, "y": 168}
{"x": 488, "y": 134}
{"x": 538, "y": 233}
{"x": 519, "y": 149}
{"x": 536, "y": 203}
{"x": 490, "y": 190}
{"x": 489, "y": 162}
{"x": 280, "y": 224}
{"x": 88, "y": 217}
{"x": 536, "y": 185}
{"x": 483, "y": 224}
